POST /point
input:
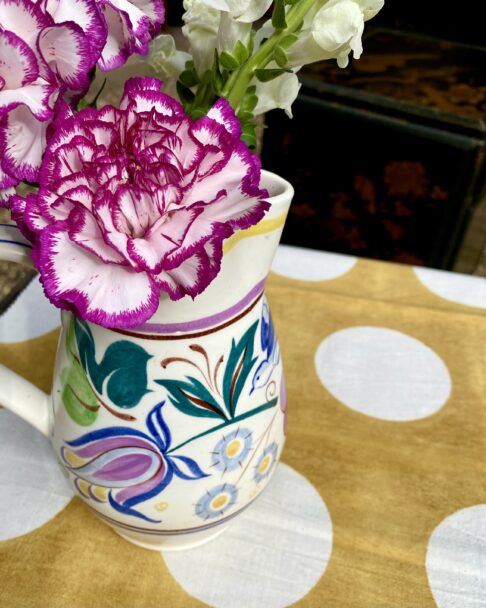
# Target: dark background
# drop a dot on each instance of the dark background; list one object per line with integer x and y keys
{"x": 460, "y": 21}
{"x": 387, "y": 157}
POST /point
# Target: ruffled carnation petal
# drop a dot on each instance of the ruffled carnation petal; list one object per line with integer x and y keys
{"x": 107, "y": 294}
{"x": 68, "y": 53}
{"x": 223, "y": 113}
{"x": 84, "y": 231}
{"x": 34, "y": 96}
{"x": 154, "y": 9}
{"x": 84, "y": 13}
{"x": 164, "y": 237}
{"x": 23, "y": 17}
{"x": 195, "y": 273}
{"x": 143, "y": 95}
{"x": 131, "y": 25}
{"x": 242, "y": 206}
{"x": 23, "y": 139}
{"x": 6, "y": 195}
{"x": 6, "y": 180}
{"x": 25, "y": 213}
{"x": 18, "y": 64}
{"x": 104, "y": 210}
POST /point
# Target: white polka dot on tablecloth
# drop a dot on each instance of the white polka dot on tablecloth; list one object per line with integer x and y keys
{"x": 310, "y": 265}
{"x": 272, "y": 555}
{"x": 32, "y": 487}
{"x": 383, "y": 373}
{"x": 30, "y": 316}
{"x": 456, "y": 560}
{"x": 455, "y": 287}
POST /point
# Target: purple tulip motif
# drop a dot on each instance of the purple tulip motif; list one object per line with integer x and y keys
{"x": 134, "y": 466}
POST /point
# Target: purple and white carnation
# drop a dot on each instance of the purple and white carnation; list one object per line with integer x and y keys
{"x": 47, "y": 50}
{"x": 131, "y": 26}
{"x": 138, "y": 200}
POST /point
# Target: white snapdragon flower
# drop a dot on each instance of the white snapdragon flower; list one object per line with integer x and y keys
{"x": 245, "y": 11}
{"x": 230, "y": 31}
{"x": 167, "y": 60}
{"x": 278, "y": 93}
{"x": 219, "y": 24}
{"x": 201, "y": 25}
{"x": 332, "y": 30}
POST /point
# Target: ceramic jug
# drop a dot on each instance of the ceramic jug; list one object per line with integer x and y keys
{"x": 170, "y": 430}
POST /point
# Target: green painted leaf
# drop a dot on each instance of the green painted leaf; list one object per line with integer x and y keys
{"x": 124, "y": 367}
{"x": 192, "y": 398}
{"x": 238, "y": 368}
{"x": 78, "y": 397}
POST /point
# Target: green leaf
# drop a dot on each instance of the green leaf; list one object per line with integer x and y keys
{"x": 244, "y": 116}
{"x": 249, "y": 103}
{"x": 192, "y": 398}
{"x": 238, "y": 368}
{"x": 278, "y": 15}
{"x": 288, "y": 40}
{"x": 228, "y": 61}
{"x": 265, "y": 75}
{"x": 240, "y": 52}
{"x": 249, "y": 140}
{"x": 189, "y": 78}
{"x": 77, "y": 395}
{"x": 124, "y": 365}
{"x": 280, "y": 56}
{"x": 185, "y": 94}
{"x": 198, "y": 113}
{"x": 298, "y": 27}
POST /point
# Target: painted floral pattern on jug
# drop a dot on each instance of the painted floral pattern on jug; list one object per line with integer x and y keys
{"x": 125, "y": 466}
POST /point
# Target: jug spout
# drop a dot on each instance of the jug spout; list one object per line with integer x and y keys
{"x": 247, "y": 258}
{"x": 248, "y": 254}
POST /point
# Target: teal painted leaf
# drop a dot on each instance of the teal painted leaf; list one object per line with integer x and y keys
{"x": 124, "y": 364}
{"x": 192, "y": 398}
{"x": 238, "y": 368}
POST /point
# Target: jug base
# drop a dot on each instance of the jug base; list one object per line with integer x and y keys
{"x": 170, "y": 542}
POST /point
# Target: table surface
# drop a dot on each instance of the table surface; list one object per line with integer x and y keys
{"x": 381, "y": 497}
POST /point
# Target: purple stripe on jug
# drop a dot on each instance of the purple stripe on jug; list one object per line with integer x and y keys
{"x": 205, "y": 322}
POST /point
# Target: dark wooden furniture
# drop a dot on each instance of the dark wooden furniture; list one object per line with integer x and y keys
{"x": 388, "y": 155}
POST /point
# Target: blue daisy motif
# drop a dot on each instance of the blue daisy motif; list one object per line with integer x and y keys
{"x": 231, "y": 451}
{"x": 216, "y": 501}
{"x": 265, "y": 462}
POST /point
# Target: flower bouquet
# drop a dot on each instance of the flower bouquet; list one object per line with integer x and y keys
{"x": 153, "y": 228}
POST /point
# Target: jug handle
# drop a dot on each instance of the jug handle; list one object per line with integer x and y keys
{"x": 17, "y": 394}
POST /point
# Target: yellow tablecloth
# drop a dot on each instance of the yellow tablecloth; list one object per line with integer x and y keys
{"x": 386, "y": 382}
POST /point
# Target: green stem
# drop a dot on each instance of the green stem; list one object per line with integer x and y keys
{"x": 234, "y": 91}
{"x": 257, "y": 410}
